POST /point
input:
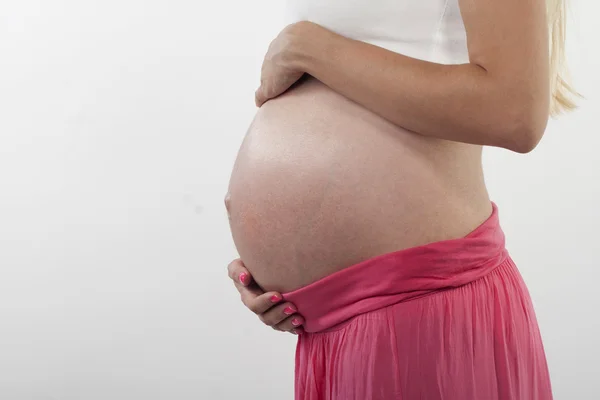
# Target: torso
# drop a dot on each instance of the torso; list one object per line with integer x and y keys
{"x": 321, "y": 183}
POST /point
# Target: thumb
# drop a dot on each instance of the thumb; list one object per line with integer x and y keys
{"x": 259, "y": 98}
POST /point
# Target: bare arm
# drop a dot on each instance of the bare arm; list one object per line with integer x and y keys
{"x": 501, "y": 98}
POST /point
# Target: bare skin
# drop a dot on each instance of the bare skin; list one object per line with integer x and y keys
{"x": 309, "y": 197}
{"x": 328, "y": 176}
{"x": 269, "y": 306}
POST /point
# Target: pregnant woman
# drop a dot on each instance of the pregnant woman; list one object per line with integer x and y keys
{"x": 358, "y": 206}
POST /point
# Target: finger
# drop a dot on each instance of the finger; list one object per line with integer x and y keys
{"x": 261, "y": 303}
{"x": 248, "y": 293}
{"x": 238, "y": 272}
{"x": 276, "y": 315}
{"x": 292, "y": 324}
{"x": 259, "y": 98}
{"x": 297, "y": 331}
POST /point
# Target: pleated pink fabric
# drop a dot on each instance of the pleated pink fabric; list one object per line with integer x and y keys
{"x": 451, "y": 320}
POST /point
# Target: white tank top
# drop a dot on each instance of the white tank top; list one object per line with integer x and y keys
{"x": 430, "y": 30}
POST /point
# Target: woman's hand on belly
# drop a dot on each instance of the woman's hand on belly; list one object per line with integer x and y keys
{"x": 276, "y": 75}
{"x": 281, "y": 316}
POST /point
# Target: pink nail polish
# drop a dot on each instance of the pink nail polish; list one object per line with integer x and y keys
{"x": 295, "y": 322}
{"x": 275, "y": 298}
{"x": 243, "y": 277}
{"x": 288, "y": 311}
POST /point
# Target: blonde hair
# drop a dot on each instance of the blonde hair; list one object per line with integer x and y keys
{"x": 561, "y": 91}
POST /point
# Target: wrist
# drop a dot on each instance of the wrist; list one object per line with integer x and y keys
{"x": 310, "y": 45}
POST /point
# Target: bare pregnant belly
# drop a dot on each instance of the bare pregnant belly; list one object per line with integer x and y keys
{"x": 320, "y": 183}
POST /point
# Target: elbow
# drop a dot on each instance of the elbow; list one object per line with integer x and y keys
{"x": 524, "y": 139}
{"x": 524, "y": 128}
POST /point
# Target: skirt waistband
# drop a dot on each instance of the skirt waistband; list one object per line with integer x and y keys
{"x": 402, "y": 275}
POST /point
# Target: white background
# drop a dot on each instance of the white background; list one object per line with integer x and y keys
{"x": 119, "y": 125}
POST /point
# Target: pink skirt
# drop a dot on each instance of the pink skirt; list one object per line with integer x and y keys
{"x": 449, "y": 320}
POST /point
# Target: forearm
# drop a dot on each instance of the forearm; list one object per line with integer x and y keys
{"x": 463, "y": 103}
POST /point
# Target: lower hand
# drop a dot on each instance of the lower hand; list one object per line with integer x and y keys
{"x": 269, "y": 306}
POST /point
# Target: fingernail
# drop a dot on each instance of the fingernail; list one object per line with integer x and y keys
{"x": 288, "y": 311}
{"x": 275, "y": 298}
{"x": 243, "y": 277}
{"x": 295, "y": 322}
{"x": 294, "y": 332}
